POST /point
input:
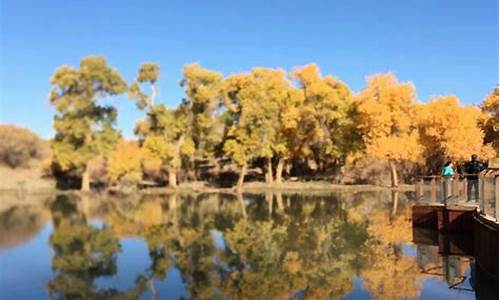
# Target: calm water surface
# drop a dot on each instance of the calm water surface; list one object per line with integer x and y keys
{"x": 217, "y": 246}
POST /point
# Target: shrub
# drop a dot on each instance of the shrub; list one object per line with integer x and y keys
{"x": 18, "y": 146}
{"x": 124, "y": 165}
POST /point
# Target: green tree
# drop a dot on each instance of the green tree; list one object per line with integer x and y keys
{"x": 203, "y": 89}
{"x": 251, "y": 115}
{"x": 84, "y": 126}
{"x": 164, "y": 131}
{"x": 270, "y": 91}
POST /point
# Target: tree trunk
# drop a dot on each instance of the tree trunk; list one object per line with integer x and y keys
{"x": 279, "y": 201}
{"x": 288, "y": 167}
{"x": 269, "y": 172}
{"x": 242, "y": 203}
{"x": 172, "y": 199}
{"x": 153, "y": 95}
{"x": 154, "y": 294}
{"x": 395, "y": 197}
{"x": 175, "y": 163}
{"x": 243, "y": 170}
{"x": 279, "y": 170}
{"x": 394, "y": 173}
{"x": 85, "y": 187}
{"x": 84, "y": 205}
{"x": 269, "y": 200}
{"x": 172, "y": 178}
{"x": 192, "y": 170}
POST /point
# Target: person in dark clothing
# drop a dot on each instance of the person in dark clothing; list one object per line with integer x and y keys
{"x": 474, "y": 167}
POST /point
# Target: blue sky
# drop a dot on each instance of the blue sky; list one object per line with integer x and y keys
{"x": 442, "y": 46}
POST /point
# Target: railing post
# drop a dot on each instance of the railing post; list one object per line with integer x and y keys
{"x": 464, "y": 189}
{"x": 454, "y": 189}
{"x": 445, "y": 189}
{"x": 433, "y": 190}
{"x": 419, "y": 189}
{"x": 483, "y": 196}
{"x": 496, "y": 198}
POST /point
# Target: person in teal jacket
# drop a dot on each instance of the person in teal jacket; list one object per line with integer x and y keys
{"x": 448, "y": 173}
{"x": 448, "y": 169}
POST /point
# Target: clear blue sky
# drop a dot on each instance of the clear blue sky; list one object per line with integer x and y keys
{"x": 442, "y": 46}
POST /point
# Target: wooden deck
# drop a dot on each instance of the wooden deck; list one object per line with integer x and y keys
{"x": 443, "y": 216}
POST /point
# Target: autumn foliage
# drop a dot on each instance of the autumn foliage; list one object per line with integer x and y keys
{"x": 19, "y": 146}
{"x": 449, "y": 130}
{"x": 387, "y": 121}
{"x": 489, "y": 122}
{"x": 84, "y": 126}
{"x": 125, "y": 163}
{"x": 283, "y": 124}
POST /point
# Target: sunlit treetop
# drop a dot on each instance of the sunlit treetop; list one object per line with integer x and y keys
{"x": 489, "y": 122}
{"x": 148, "y": 73}
{"x": 203, "y": 89}
{"x": 323, "y": 113}
{"x": 388, "y": 106}
{"x": 449, "y": 130}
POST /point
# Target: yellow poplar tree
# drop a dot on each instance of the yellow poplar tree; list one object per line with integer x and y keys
{"x": 203, "y": 89}
{"x": 387, "y": 121}
{"x": 124, "y": 163}
{"x": 324, "y": 116}
{"x": 83, "y": 125}
{"x": 249, "y": 120}
{"x": 289, "y": 112}
{"x": 451, "y": 131}
{"x": 270, "y": 90}
{"x": 253, "y": 104}
{"x": 489, "y": 122}
{"x": 163, "y": 133}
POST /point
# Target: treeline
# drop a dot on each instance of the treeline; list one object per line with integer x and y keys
{"x": 296, "y": 123}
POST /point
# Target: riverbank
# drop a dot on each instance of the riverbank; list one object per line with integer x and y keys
{"x": 198, "y": 187}
{"x": 285, "y": 187}
{"x": 25, "y": 178}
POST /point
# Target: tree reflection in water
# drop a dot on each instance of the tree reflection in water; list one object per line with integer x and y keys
{"x": 82, "y": 253}
{"x": 269, "y": 246}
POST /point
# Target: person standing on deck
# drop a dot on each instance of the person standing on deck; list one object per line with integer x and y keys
{"x": 474, "y": 167}
{"x": 447, "y": 173}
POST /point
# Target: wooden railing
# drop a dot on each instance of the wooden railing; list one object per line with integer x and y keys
{"x": 453, "y": 191}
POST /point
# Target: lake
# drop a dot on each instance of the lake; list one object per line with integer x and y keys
{"x": 349, "y": 245}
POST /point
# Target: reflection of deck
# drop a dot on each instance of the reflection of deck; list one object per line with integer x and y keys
{"x": 450, "y": 257}
{"x": 452, "y": 268}
{"x": 460, "y": 227}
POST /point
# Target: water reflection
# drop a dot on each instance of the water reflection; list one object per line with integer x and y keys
{"x": 225, "y": 246}
{"x": 450, "y": 258}
{"x": 19, "y": 224}
{"x": 82, "y": 253}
